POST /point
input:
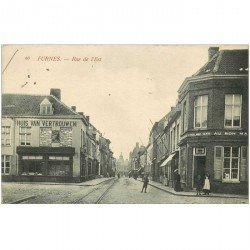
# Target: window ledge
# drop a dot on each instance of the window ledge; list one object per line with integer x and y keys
{"x": 230, "y": 181}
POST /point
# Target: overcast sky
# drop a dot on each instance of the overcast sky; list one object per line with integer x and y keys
{"x": 130, "y": 85}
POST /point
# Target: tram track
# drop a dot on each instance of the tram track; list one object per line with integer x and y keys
{"x": 89, "y": 200}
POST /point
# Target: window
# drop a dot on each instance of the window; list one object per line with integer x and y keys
{"x": 6, "y": 135}
{"x": 200, "y": 111}
{"x": 231, "y": 163}
{"x": 46, "y": 107}
{"x": 177, "y": 133}
{"x": 25, "y": 136}
{"x": 5, "y": 164}
{"x": 233, "y": 111}
{"x": 32, "y": 165}
{"x": 184, "y": 118}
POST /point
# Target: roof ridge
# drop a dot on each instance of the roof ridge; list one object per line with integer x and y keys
{"x": 25, "y": 94}
{"x": 76, "y": 113}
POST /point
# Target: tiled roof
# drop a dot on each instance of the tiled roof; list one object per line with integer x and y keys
{"x": 29, "y": 105}
{"x": 233, "y": 62}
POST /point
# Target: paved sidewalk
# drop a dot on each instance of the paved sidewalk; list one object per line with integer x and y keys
{"x": 93, "y": 182}
{"x": 191, "y": 193}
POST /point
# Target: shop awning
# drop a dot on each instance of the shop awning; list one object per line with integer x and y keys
{"x": 167, "y": 160}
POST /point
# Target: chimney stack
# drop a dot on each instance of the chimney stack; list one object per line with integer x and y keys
{"x": 56, "y": 93}
{"x": 212, "y": 51}
{"x": 80, "y": 113}
{"x": 87, "y": 118}
{"x": 73, "y": 108}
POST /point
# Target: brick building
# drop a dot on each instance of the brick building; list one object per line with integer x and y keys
{"x": 214, "y": 122}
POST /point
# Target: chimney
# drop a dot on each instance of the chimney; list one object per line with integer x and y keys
{"x": 73, "y": 108}
{"x": 137, "y": 145}
{"x": 56, "y": 93}
{"x": 87, "y": 118}
{"x": 80, "y": 113}
{"x": 212, "y": 51}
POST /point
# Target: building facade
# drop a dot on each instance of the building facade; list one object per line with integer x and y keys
{"x": 214, "y": 112}
{"x": 45, "y": 140}
{"x": 207, "y": 131}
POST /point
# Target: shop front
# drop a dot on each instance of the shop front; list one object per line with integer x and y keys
{"x": 45, "y": 164}
{"x": 222, "y": 157}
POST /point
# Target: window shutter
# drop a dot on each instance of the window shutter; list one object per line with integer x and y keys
{"x": 243, "y": 164}
{"x": 218, "y": 162}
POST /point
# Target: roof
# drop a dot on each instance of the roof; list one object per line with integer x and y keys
{"x": 232, "y": 62}
{"x": 29, "y": 105}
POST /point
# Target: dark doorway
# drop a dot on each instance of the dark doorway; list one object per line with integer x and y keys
{"x": 199, "y": 166}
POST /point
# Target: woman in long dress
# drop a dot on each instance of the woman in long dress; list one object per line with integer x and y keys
{"x": 206, "y": 187}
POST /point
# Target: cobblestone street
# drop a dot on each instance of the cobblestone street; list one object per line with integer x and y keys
{"x": 124, "y": 191}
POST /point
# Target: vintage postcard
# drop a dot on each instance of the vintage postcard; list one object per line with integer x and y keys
{"x": 124, "y": 124}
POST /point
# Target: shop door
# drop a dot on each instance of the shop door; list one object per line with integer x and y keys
{"x": 199, "y": 167}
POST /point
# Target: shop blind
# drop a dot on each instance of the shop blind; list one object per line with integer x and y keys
{"x": 243, "y": 164}
{"x": 218, "y": 162}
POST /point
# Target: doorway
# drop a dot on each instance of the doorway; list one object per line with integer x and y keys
{"x": 199, "y": 167}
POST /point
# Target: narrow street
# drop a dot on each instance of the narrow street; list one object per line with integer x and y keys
{"x": 113, "y": 191}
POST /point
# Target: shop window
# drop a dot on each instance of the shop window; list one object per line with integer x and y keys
{"x": 6, "y": 139}
{"x": 25, "y": 136}
{"x": 233, "y": 111}
{"x": 6, "y": 164}
{"x": 231, "y": 163}
{"x": 200, "y": 111}
{"x": 32, "y": 165}
{"x": 59, "y": 158}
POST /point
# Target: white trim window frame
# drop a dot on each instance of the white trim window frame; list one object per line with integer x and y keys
{"x": 6, "y": 136}
{"x": 232, "y": 110}
{"x": 200, "y": 111}
{"x": 25, "y": 136}
{"x": 231, "y": 159}
{"x": 6, "y": 164}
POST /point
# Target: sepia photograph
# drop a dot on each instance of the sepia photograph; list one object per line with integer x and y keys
{"x": 124, "y": 124}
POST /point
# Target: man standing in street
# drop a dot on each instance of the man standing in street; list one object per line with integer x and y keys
{"x": 145, "y": 183}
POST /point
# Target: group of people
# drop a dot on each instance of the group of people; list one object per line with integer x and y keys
{"x": 203, "y": 183}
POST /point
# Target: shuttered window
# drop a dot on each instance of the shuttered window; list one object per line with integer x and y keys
{"x": 218, "y": 162}
{"x": 244, "y": 165}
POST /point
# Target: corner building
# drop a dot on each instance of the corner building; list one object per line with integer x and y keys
{"x": 214, "y": 123}
{"x": 41, "y": 139}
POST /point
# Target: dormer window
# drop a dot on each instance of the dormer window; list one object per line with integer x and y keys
{"x": 46, "y": 107}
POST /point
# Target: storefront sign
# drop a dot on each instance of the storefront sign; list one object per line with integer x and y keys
{"x": 46, "y": 123}
{"x": 216, "y": 133}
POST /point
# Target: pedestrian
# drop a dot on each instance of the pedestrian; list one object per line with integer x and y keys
{"x": 198, "y": 184}
{"x": 206, "y": 187}
{"x": 145, "y": 183}
{"x": 177, "y": 186}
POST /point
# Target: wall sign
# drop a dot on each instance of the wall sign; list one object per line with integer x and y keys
{"x": 46, "y": 123}
{"x": 215, "y": 133}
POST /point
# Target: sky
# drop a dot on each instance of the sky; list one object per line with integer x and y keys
{"x": 121, "y": 87}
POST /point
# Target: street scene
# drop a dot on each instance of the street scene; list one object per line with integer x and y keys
{"x": 124, "y": 124}
{"x": 110, "y": 191}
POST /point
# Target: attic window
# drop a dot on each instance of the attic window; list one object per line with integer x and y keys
{"x": 46, "y": 107}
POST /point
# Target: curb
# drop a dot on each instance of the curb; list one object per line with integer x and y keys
{"x": 60, "y": 183}
{"x": 23, "y": 199}
{"x": 193, "y": 195}
{"x": 91, "y": 185}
